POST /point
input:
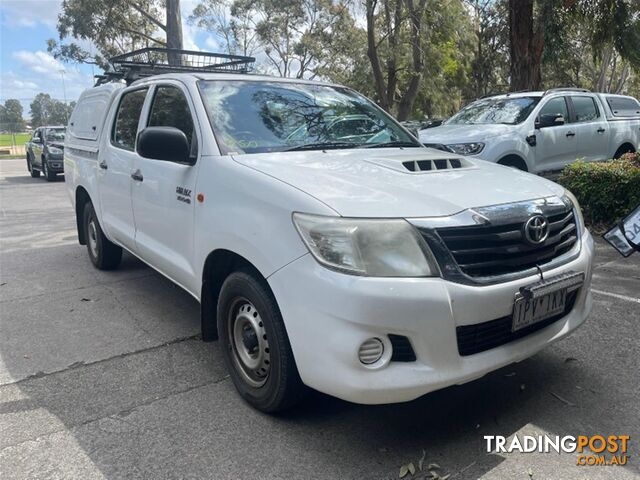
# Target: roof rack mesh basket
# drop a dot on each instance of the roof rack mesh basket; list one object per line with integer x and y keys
{"x": 154, "y": 61}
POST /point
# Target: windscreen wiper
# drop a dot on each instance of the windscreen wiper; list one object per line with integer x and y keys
{"x": 321, "y": 146}
{"x": 396, "y": 143}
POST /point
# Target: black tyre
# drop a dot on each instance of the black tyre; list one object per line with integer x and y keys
{"x": 103, "y": 254}
{"x": 255, "y": 344}
{"x": 34, "y": 173}
{"x": 49, "y": 175}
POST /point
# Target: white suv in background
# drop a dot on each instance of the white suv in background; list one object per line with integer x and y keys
{"x": 327, "y": 247}
{"x": 541, "y": 131}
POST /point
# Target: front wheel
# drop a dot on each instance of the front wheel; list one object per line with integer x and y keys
{"x": 49, "y": 175}
{"x": 34, "y": 173}
{"x": 104, "y": 254}
{"x": 255, "y": 344}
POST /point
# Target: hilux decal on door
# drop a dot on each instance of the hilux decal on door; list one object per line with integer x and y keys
{"x": 184, "y": 195}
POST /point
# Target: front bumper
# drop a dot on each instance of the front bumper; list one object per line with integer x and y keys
{"x": 329, "y": 314}
{"x": 55, "y": 164}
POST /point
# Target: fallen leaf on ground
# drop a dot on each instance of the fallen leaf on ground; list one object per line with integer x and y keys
{"x": 563, "y": 400}
{"x": 421, "y": 461}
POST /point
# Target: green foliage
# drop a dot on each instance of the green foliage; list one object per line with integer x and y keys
{"x": 11, "y": 116}
{"x": 113, "y": 26}
{"x": 607, "y": 191}
{"x": 49, "y": 111}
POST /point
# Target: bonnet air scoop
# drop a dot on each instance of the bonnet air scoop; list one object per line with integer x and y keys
{"x": 423, "y": 165}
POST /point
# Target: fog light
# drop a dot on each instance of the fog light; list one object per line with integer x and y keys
{"x": 371, "y": 351}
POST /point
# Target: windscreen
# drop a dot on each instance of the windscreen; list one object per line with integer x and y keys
{"x": 55, "y": 134}
{"x": 509, "y": 111}
{"x": 256, "y": 117}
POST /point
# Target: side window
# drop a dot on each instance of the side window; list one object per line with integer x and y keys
{"x": 125, "y": 127}
{"x": 584, "y": 108}
{"x": 36, "y": 135}
{"x": 624, "y": 106}
{"x": 170, "y": 109}
{"x": 555, "y": 106}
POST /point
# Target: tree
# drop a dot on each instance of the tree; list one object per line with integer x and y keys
{"x": 49, "y": 111}
{"x": 538, "y": 32}
{"x": 298, "y": 37}
{"x": 11, "y": 116}
{"x": 490, "y": 63}
{"x": 401, "y": 40}
{"x": 115, "y": 27}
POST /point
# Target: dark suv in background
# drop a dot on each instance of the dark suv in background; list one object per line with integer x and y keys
{"x": 45, "y": 152}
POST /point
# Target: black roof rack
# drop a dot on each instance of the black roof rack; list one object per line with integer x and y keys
{"x": 150, "y": 61}
{"x": 566, "y": 89}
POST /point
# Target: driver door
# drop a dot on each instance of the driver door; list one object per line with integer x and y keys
{"x": 36, "y": 148}
{"x": 556, "y": 145}
{"x": 163, "y": 192}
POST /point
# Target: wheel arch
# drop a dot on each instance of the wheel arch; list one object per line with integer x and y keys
{"x": 514, "y": 160}
{"x": 218, "y": 265}
{"x": 626, "y": 147}
{"x": 82, "y": 197}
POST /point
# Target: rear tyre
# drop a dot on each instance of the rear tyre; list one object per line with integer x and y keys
{"x": 255, "y": 344}
{"x": 50, "y": 176}
{"x": 104, "y": 254}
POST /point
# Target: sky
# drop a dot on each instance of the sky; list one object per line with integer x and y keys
{"x": 26, "y": 68}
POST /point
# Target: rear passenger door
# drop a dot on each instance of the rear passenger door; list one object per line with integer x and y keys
{"x": 115, "y": 165}
{"x": 591, "y": 128}
{"x": 163, "y": 195}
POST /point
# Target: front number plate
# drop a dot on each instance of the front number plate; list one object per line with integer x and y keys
{"x": 529, "y": 311}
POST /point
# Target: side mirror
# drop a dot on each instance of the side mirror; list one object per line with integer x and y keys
{"x": 550, "y": 120}
{"x": 164, "y": 143}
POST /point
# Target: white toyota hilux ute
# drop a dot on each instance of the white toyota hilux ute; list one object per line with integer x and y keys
{"x": 328, "y": 248}
{"x": 541, "y": 131}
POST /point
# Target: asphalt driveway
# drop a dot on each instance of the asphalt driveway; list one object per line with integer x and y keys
{"x": 102, "y": 375}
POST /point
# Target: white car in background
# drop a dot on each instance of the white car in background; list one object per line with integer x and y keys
{"x": 326, "y": 245}
{"x": 541, "y": 131}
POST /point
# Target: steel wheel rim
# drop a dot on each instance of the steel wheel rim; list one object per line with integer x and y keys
{"x": 93, "y": 238}
{"x": 248, "y": 342}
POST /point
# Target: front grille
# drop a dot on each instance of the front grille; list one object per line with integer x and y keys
{"x": 485, "y": 336}
{"x": 492, "y": 250}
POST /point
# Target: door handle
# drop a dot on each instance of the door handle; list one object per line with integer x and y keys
{"x": 571, "y": 134}
{"x": 137, "y": 176}
{"x": 103, "y": 164}
{"x": 601, "y": 130}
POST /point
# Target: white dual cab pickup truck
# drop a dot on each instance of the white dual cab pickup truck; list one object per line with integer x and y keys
{"x": 327, "y": 247}
{"x": 541, "y": 131}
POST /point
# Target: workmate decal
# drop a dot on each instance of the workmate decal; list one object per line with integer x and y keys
{"x": 184, "y": 195}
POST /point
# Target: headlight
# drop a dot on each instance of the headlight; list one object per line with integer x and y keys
{"x": 55, "y": 151}
{"x": 375, "y": 248}
{"x": 572, "y": 199}
{"x": 466, "y": 148}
